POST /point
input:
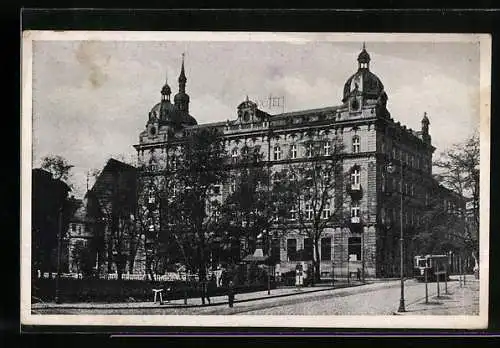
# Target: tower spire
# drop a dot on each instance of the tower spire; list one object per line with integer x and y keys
{"x": 181, "y": 99}
{"x": 182, "y": 76}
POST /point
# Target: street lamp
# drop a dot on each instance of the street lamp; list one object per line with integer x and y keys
{"x": 392, "y": 169}
{"x": 58, "y": 276}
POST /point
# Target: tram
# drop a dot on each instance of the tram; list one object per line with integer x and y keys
{"x": 431, "y": 265}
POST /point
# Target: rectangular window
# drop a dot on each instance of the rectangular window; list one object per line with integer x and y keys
{"x": 308, "y": 249}
{"x": 309, "y": 150}
{"x": 309, "y": 212}
{"x": 277, "y": 153}
{"x": 355, "y": 144}
{"x": 355, "y": 213}
{"x": 355, "y": 178}
{"x": 355, "y": 210}
{"x": 354, "y": 248}
{"x": 326, "y": 149}
{"x": 326, "y": 249}
{"x": 73, "y": 227}
{"x": 293, "y": 213}
{"x": 326, "y": 211}
{"x": 293, "y": 151}
{"x": 291, "y": 249}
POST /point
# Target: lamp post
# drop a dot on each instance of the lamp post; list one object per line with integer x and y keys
{"x": 391, "y": 169}
{"x": 58, "y": 275}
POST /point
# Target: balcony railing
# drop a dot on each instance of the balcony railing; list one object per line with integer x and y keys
{"x": 355, "y": 187}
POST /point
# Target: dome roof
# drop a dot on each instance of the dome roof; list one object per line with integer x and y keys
{"x": 365, "y": 82}
{"x": 167, "y": 113}
{"x": 163, "y": 111}
{"x": 181, "y": 97}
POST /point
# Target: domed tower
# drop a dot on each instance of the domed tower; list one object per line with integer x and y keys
{"x": 364, "y": 88}
{"x": 181, "y": 99}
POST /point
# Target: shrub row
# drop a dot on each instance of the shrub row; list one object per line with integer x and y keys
{"x": 104, "y": 290}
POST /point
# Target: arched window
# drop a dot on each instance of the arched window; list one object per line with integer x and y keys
{"x": 356, "y": 144}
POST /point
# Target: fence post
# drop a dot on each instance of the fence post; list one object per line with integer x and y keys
{"x": 446, "y": 279}
{"x": 333, "y": 274}
{"x": 437, "y": 279}
{"x": 464, "y": 270}
{"x": 426, "y": 286}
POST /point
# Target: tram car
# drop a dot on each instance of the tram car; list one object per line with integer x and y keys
{"x": 432, "y": 266}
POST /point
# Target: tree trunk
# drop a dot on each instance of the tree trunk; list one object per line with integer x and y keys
{"x": 316, "y": 261}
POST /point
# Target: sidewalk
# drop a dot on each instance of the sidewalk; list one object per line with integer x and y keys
{"x": 196, "y": 302}
{"x": 459, "y": 300}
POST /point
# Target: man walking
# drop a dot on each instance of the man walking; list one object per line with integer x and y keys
{"x": 230, "y": 293}
{"x": 204, "y": 291}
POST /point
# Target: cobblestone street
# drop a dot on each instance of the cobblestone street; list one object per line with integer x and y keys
{"x": 380, "y": 298}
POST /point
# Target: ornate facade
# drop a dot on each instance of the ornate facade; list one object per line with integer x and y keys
{"x": 372, "y": 139}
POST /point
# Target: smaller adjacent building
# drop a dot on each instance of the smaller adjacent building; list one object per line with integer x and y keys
{"x": 110, "y": 210}
{"x": 78, "y": 238}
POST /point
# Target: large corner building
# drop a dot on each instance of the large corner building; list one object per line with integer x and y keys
{"x": 372, "y": 139}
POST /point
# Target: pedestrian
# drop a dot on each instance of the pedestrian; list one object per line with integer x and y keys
{"x": 204, "y": 291}
{"x": 230, "y": 293}
{"x": 223, "y": 281}
{"x": 358, "y": 274}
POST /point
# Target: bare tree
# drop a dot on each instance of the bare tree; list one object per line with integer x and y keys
{"x": 458, "y": 170}
{"x": 255, "y": 205}
{"x": 318, "y": 195}
{"x": 200, "y": 169}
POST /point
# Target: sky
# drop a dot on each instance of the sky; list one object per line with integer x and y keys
{"x": 91, "y": 98}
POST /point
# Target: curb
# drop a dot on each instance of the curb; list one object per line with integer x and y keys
{"x": 206, "y": 305}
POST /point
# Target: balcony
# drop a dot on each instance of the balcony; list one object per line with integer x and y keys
{"x": 355, "y": 220}
{"x": 355, "y": 191}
